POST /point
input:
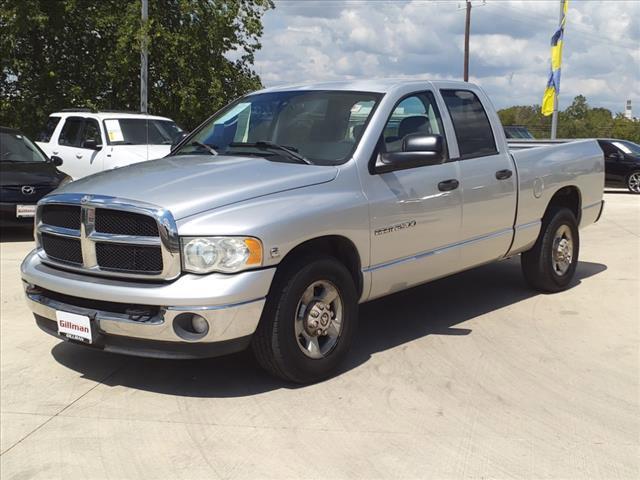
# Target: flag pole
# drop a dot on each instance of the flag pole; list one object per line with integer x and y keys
{"x": 554, "y": 118}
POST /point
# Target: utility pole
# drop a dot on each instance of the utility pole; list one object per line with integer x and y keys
{"x": 144, "y": 54}
{"x": 554, "y": 118}
{"x": 467, "y": 28}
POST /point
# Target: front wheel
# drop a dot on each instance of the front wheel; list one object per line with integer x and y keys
{"x": 551, "y": 264}
{"x": 308, "y": 322}
{"x": 633, "y": 182}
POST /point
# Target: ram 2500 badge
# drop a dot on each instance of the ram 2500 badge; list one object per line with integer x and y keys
{"x": 272, "y": 221}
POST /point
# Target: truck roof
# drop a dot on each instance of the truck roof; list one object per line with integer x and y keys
{"x": 382, "y": 85}
{"x": 80, "y": 112}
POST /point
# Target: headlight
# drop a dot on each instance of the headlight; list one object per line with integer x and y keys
{"x": 220, "y": 254}
{"x": 64, "y": 181}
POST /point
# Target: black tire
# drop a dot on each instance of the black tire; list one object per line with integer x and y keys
{"x": 538, "y": 263}
{"x": 275, "y": 343}
{"x": 631, "y": 185}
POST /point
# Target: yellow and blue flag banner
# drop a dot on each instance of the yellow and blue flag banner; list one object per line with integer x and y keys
{"x": 553, "y": 85}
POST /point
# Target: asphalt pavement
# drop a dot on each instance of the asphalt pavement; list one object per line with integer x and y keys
{"x": 472, "y": 376}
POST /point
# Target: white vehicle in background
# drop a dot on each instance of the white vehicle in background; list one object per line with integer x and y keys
{"x": 90, "y": 142}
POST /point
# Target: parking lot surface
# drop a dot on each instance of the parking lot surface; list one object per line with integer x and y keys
{"x": 473, "y": 376}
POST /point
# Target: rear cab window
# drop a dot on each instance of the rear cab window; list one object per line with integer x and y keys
{"x": 471, "y": 124}
{"x": 45, "y": 135}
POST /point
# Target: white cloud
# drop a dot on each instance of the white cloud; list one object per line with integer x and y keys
{"x": 310, "y": 41}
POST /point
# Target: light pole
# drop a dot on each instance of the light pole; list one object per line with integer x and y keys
{"x": 144, "y": 54}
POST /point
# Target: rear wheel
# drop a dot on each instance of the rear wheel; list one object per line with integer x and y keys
{"x": 551, "y": 264}
{"x": 308, "y": 322}
{"x": 633, "y": 182}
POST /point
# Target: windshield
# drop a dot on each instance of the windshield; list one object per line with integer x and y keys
{"x": 321, "y": 127}
{"x": 629, "y": 148}
{"x": 16, "y": 148}
{"x": 141, "y": 131}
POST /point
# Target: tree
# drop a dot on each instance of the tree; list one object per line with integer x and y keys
{"x": 578, "y": 120}
{"x": 86, "y": 53}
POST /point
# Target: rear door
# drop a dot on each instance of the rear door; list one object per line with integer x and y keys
{"x": 46, "y": 138}
{"x": 488, "y": 178}
{"x": 67, "y": 147}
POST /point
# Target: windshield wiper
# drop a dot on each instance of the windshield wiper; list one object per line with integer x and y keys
{"x": 274, "y": 146}
{"x": 207, "y": 147}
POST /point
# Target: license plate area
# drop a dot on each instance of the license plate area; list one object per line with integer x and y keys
{"x": 25, "y": 211}
{"x": 74, "y": 327}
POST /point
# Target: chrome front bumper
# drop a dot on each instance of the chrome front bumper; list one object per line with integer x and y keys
{"x": 231, "y": 304}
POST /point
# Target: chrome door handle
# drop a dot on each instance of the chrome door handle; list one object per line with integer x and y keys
{"x": 448, "y": 185}
{"x": 504, "y": 174}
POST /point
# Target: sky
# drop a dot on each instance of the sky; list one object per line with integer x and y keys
{"x": 312, "y": 41}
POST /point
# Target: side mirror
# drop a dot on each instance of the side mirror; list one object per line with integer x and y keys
{"x": 92, "y": 144}
{"x": 417, "y": 151}
{"x": 179, "y": 139}
{"x": 57, "y": 161}
{"x": 616, "y": 156}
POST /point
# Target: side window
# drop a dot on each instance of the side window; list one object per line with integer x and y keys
{"x": 45, "y": 135}
{"x": 470, "y": 121}
{"x": 415, "y": 114}
{"x": 91, "y": 133}
{"x": 70, "y": 134}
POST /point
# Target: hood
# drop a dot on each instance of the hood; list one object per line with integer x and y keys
{"x": 26, "y": 173}
{"x": 187, "y": 185}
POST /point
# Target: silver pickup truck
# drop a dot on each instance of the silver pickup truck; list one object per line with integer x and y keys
{"x": 274, "y": 219}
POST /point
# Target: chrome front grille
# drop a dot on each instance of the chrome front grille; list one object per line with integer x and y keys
{"x": 66, "y": 216}
{"x": 108, "y": 236}
{"x": 125, "y": 223}
{"x": 63, "y": 249}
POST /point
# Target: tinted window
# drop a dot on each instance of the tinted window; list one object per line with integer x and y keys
{"x": 473, "y": 130}
{"x": 627, "y": 147}
{"x": 415, "y": 114}
{"x": 15, "y": 147}
{"x": 70, "y": 134}
{"x": 141, "y": 131}
{"x": 607, "y": 148}
{"x": 45, "y": 135}
{"x": 91, "y": 132}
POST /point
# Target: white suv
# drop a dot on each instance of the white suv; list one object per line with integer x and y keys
{"x": 90, "y": 142}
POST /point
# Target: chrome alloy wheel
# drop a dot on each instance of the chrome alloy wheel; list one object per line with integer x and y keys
{"x": 319, "y": 319}
{"x": 562, "y": 253}
{"x": 634, "y": 182}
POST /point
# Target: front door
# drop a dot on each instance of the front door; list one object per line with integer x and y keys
{"x": 92, "y": 148}
{"x": 415, "y": 215}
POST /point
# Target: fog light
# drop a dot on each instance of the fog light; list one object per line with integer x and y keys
{"x": 190, "y": 326}
{"x": 199, "y": 324}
